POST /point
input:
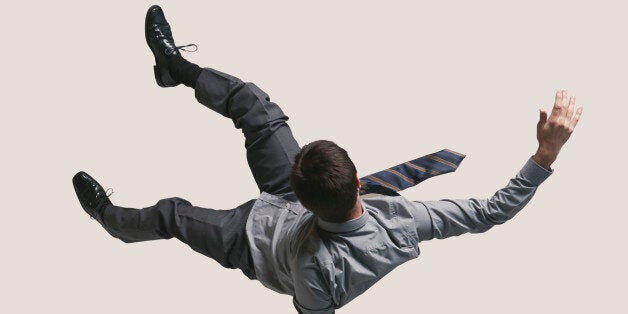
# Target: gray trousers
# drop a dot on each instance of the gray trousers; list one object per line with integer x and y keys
{"x": 220, "y": 234}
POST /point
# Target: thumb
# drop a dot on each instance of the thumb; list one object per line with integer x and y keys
{"x": 542, "y": 116}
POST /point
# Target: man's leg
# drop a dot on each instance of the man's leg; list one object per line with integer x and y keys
{"x": 269, "y": 142}
{"x": 218, "y": 234}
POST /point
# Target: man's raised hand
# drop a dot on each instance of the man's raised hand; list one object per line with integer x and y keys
{"x": 553, "y": 132}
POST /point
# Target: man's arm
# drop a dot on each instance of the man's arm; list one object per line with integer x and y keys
{"x": 450, "y": 217}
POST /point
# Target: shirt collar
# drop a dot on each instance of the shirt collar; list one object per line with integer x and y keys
{"x": 345, "y": 226}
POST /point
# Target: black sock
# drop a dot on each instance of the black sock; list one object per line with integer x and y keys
{"x": 183, "y": 70}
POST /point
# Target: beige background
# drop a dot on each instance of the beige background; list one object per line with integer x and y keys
{"x": 389, "y": 81}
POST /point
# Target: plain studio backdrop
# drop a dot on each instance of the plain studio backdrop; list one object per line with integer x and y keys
{"x": 388, "y": 81}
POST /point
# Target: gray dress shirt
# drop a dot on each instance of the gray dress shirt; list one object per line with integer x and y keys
{"x": 325, "y": 265}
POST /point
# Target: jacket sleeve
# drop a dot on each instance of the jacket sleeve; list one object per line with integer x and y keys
{"x": 451, "y": 217}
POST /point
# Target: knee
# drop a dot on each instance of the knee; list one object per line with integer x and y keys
{"x": 252, "y": 110}
{"x": 173, "y": 202}
{"x": 170, "y": 211}
{"x": 169, "y": 207}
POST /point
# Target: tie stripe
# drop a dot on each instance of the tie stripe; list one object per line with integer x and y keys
{"x": 410, "y": 173}
{"x": 421, "y": 168}
{"x": 383, "y": 183}
{"x": 412, "y": 181}
{"x": 443, "y": 161}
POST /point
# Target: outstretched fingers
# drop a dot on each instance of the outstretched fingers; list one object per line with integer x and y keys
{"x": 570, "y": 108}
{"x": 558, "y": 111}
{"x": 574, "y": 121}
{"x": 570, "y": 120}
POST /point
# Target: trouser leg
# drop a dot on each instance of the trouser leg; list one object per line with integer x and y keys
{"x": 269, "y": 142}
{"x": 218, "y": 234}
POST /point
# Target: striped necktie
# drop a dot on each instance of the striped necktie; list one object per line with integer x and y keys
{"x": 394, "y": 179}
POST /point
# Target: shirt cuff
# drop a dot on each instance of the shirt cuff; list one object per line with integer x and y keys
{"x": 534, "y": 172}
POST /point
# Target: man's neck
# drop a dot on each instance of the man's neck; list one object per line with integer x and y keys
{"x": 357, "y": 209}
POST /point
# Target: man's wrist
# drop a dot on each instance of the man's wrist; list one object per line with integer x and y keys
{"x": 545, "y": 157}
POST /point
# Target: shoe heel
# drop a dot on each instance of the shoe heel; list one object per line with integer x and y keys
{"x": 163, "y": 77}
{"x": 158, "y": 76}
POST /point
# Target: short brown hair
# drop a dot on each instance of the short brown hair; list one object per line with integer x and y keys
{"x": 323, "y": 178}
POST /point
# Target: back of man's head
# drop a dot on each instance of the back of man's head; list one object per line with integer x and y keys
{"x": 324, "y": 180}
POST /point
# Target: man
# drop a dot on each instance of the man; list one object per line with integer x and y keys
{"x": 310, "y": 233}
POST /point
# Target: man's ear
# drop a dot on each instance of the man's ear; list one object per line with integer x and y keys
{"x": 357, "y": 178}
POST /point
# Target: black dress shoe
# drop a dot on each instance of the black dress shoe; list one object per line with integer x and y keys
{"x": 91, "y": 195}
{"x": 161, "y": 43}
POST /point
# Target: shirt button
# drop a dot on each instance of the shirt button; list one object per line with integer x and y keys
{"x": 287, "y": 205}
